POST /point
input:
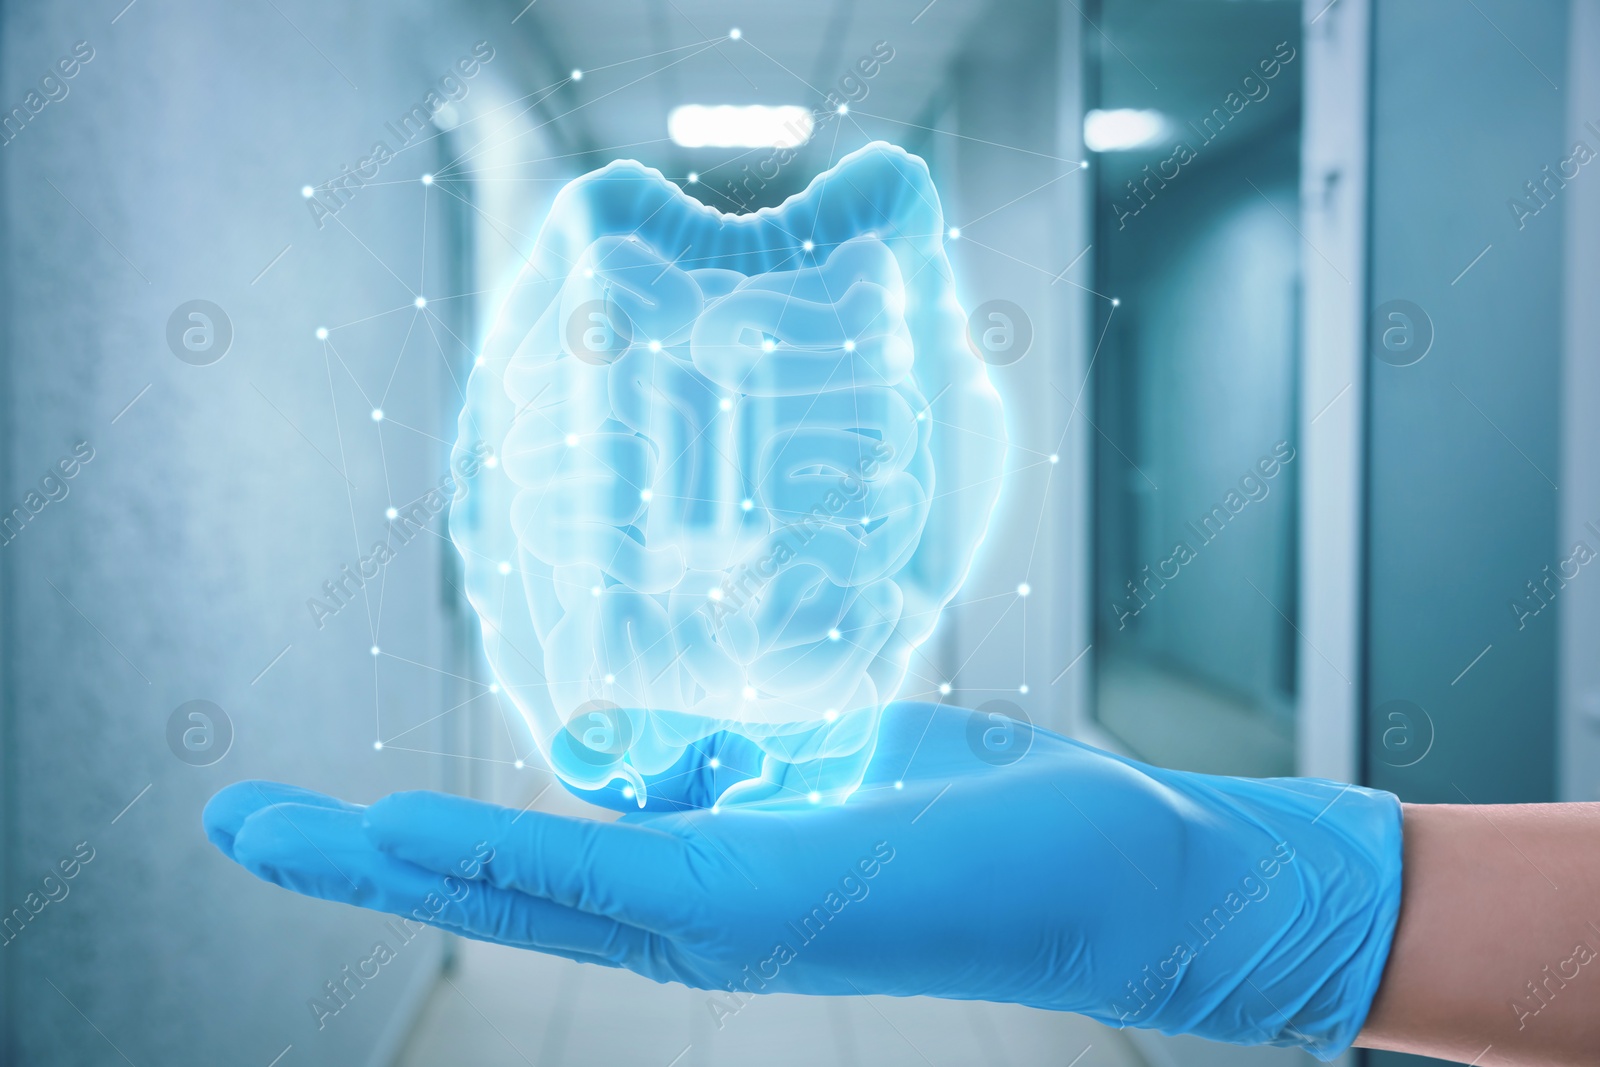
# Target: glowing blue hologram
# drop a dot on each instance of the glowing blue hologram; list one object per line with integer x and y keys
{"x": 744, "y": 461}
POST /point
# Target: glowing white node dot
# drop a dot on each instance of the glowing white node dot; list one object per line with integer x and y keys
{"x": 611, "y": 679}
{"x": 374, "y": 650}
{"x": 725, "y": 404}
{"x": 1054, "y": 458}
{"x": 588, "y": 272}
{"x": 716, "y": 594}
{"x": 1024, "y": 589}
{"x": 421, "y": 301}
{"x": 814, "y": 796}
{"x": 492, "y": 461}
{"x": 518, "y": 765}
{"x": 955, "y": 232}
{"x": 922, "y": 416}
{"x": 391, "y": 513}
{"x": 1115, "y": 302}
{"x": 807, "y": 245}
{"x": 572, "y": 440}
{"x": 747, "y": 504}
{"x": 768, "y": 345}
{"x": 322, "y": 333}
{"x": 655, "y": 346}
{"x": 1023, "y": 688}
{"x": 505, "y": 567}
{"x": 944, "y": 687}
{"x": 715, "y": 809}
{"x": 494, "y": 687}
{"x": 627, "y": 791}
{"x": 646, "y": 494}
{"x": 849, "y": 346}
{"x": 577, "y": 75}
{"x": 844, "y": 109}
{"x": 693, "y": 177}
{"x": 427, "y": 179}
{"x": 306, "y": 191}
{"x": 833, "y": 635}
{"x": 830, "y": 715}
{"x": 715, "y": 763}
{"x": 377, "y": 414}
{"x": 478, "y": 362}
{"x": 377, "y": 746}
{"x": 749, "y": 693}
{"x": 899, "y": 785}
{"x": 594, "y": 590}
{"x": 735, "y": 33}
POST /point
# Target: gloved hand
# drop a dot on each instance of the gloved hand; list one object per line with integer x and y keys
{"x": 1241, "y": 910}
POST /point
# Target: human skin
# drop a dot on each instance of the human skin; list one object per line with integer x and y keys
{"x": 1496, "y": 958}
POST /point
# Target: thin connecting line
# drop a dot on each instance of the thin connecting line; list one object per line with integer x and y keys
{"x": 131, "y": 803}
{"x": 99, "y": 631}
{"x": 1295, "y": 628}
{"x": 269, "y": 266}
{"x": 1297, "y": 230}
{"x": 314, "y": 47}
{"x": 303, "y": 437}
{"x": 1513, "y": 44}
{"x": 1103, "y": 834}
{"x": 1502, "y": 833}
{"x": 90, "y": 1021}
{"x": 1502, "y": 433}
{"x": 1332, "y": 402}
{"x": 892, "y": 1026}
{"x": 1113, "y": 44}
{"x": 1474, "y": 263}
{"x": 1473, "y": 664}
{"x": 520, "y": 1054}
{"x": 130, "y": 404}
{"x": 99, "y": 231}
{"x": 273, "y": 664}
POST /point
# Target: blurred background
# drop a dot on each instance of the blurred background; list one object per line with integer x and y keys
{"x": 1291, "y": 306}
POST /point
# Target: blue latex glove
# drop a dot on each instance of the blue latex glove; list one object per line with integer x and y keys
{"x": 1242, "y": 910}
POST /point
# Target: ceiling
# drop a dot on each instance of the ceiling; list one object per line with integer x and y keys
{"x": 641, "y": 58}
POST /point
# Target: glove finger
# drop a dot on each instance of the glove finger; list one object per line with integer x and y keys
{"x": 695, "y": 781}
{"x": 226, "y": 812}
{"x": 634, "y": 874}
{"x": 324, "y": 853}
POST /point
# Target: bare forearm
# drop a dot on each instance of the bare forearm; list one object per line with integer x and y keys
{"x": 1496, "y": 959}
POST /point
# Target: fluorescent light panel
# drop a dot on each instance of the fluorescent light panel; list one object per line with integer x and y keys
{"x": 730, "y": 126}
{"x": 1124, "y": 129}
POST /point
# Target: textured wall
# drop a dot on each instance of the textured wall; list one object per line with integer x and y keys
{"x": 179, "y": 563}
